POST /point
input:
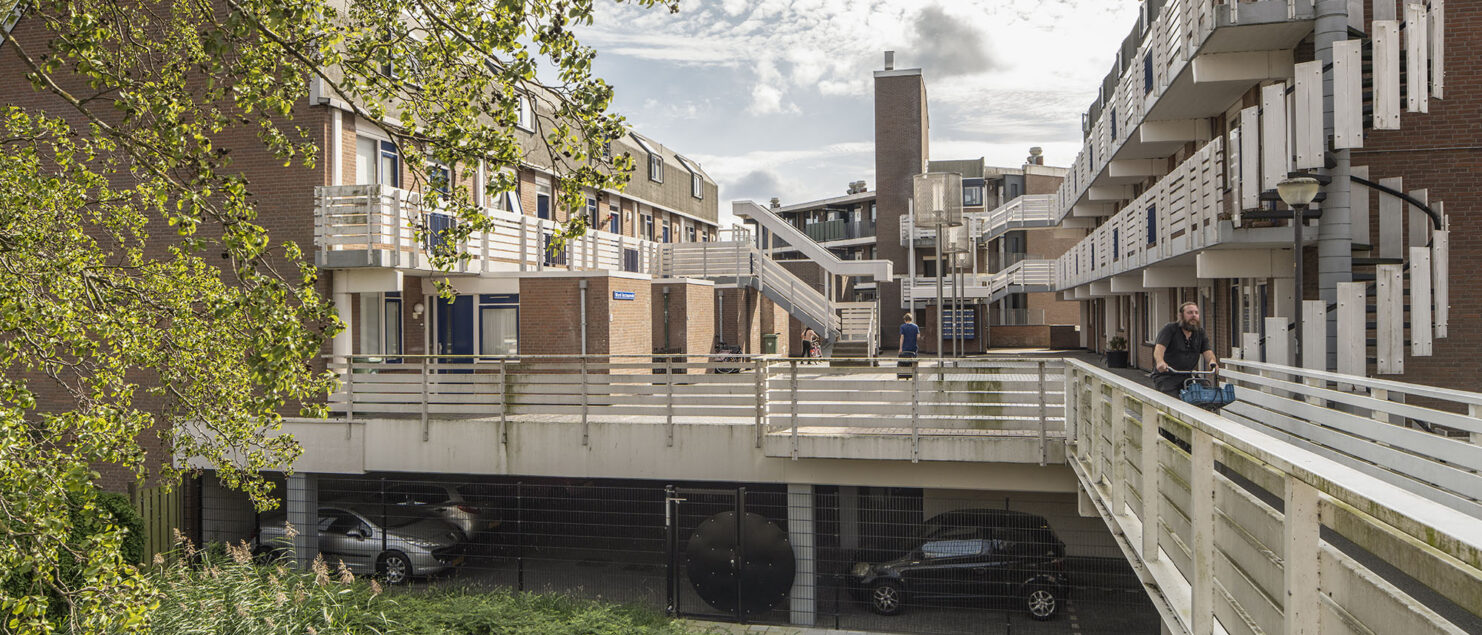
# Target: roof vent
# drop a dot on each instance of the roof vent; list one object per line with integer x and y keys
{"x": 890, "y": 60}
{"x": 776, "y": 202}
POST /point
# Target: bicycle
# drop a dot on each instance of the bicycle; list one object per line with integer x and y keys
{"x": 723, "y": 354}
{"x": 1202, "y": 388}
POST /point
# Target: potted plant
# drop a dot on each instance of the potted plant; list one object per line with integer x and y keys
{"x": 1116, "y": 352}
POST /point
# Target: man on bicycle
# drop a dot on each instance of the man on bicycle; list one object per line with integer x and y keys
{"x": 1179, "y": 346}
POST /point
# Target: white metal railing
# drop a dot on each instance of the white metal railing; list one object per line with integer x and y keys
{"x": 1418, "y": 438}
{"x": 1029, "y": 210}
{"x": 1015, "y": 397}
{"x": 363, "y": 219}
{"x": 1016, "y": 317}
{"x": 1182, "y": 210}
{"x": 860, "y": 322}
{"x": 1211, "y": 548}
{"x": 1035, "y": 275}
{"x": 740, "y": 260}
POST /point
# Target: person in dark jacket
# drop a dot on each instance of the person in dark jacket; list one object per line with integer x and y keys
{"x": 1180, "y": 346}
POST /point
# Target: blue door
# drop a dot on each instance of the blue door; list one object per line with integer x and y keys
{"x": 455, "y": 328}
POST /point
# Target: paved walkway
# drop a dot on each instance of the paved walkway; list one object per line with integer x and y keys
{"x": 727, "y": 628}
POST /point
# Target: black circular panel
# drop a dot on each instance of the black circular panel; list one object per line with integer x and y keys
{"x": 763, "y": 572}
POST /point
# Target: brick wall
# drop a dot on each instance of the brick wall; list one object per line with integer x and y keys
{"x": 901, "y": 147}
{"x": 740, "y": 319}
{"x": 691, "y": 317}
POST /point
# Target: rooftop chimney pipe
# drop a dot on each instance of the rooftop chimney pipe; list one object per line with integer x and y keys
{"x": 890, "y": 60}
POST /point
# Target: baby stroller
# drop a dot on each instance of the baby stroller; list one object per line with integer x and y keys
{"x": 1203, "y": 389}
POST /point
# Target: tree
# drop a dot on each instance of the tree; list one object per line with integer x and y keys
{"x": 138, "y": 294}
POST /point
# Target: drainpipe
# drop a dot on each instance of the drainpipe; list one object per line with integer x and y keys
{"x": 666, "y": 319}
{"x": 582, "y": 285}
{"x": 1334, "y": 240}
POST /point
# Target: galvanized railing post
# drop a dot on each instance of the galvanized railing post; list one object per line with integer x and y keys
{"x": 761, "y": 399}
{"x": 915, "y": 412}
{"x": 586, "y": 430}
{"x": 503, "y": 404}
{"x": 669, "y": 401}
{"x": 349, "y": 387}
{"x": 794, "y": 364}
{"x": 425, "y": 433}
{"x": 1044, "y": 445}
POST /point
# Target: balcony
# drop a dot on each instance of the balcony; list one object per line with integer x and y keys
{"x": 1025, "y": 276}
{"x": 376, "y": 226}
{"x": 1193, "y": 60}
{"x": 832, "y": 230}
{"x": 1023, "y": 212}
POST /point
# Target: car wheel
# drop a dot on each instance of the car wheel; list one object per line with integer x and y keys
{"x": 394, "y": 568}
{"x": 886, "y": 597}
{"x": 1041, "y": 602}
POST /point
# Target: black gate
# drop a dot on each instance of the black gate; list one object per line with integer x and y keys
{"x": 725, "y": 561}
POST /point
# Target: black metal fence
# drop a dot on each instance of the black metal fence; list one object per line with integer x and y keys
{"x": 900, "y": 560}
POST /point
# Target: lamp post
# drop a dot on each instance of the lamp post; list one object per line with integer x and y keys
{"x": 955, "y": 245}
{"x": 1297, "y": 191}
{"x": 938, "y": 203}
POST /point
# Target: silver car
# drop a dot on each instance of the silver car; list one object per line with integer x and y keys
{"x": 412, "y": 542}
{"x": 449, "y": 502}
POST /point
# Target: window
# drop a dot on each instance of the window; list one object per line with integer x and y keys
{"x": 440, "y": 179}
{"x": 499, "y": 330}
{"x": 655, "y": 167}
{"x": 1114, "y": 124}
{"x": 972, "y": 196}
{"x": 954, "y": 548}
{"x": 526, "y": 116}
{"x": 377, "y": 161}
{"x": 697, "y": 186}
{"x": 543, "y": 199}
{"x": 689, "y": 234}
{"x": 614, "y": 218}
{"x": 380, "y": 316}
{"x": 1116, "y": 243}
{"x": 1152, "y": 224}
{"x": 648, "y": 227}
{"x": 592, "y": 219}
{"x": 1147, "y": 74}
{"x": 666, "y": 232}
{"x": 1153, "y": 315}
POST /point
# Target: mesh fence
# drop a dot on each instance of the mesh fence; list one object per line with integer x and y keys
{"x": 899, "y": 560}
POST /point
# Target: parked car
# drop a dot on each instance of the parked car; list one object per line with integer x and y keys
{"x": 412, "y": 542}
{"x": 448, "y": 501}
{"x": 971, "y": 553}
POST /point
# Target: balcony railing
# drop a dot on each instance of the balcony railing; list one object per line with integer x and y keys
{"x": 376, "y": 226}
{"x": 1016, "y": 317}
{"x": 1178, "y": 215}
{"x": 826, "y": 231}
{"x": 1024, "y": 276}
{"x": 1030, "y": 210}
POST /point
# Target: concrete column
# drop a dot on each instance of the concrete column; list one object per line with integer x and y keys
{"x": 848, "y": 517}
{"x": 1334, "y": 237}
{"x": 343, "y": 344}
{"x": 800, "y": 531}
{"x": 303, "y": 515}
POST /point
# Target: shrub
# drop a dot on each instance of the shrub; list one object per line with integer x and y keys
{"x": 479, "y": 612}
{"x": 125, "y": 516}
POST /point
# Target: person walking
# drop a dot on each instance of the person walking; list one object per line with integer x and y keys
{"x": 810, "y": 343}
{"x": 1179, "y": 347}
{"x": 909, "y": 333}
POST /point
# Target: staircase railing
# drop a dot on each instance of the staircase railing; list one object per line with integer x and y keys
{"x": 740, "y": 260}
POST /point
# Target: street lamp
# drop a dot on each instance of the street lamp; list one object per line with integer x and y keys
{"x": 955, "y": 245}
{"x": 1297, "y": 191}
{"x": 938, "y": 203}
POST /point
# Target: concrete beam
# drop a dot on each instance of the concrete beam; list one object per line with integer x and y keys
{"x": 1174, "y": 131}
{"x": 1244, "y": 263}
{"x": 1092, "y": 210}
{"x": 367, "y": 280}
{"x": 1109, "y": 193}
{"x": 1130, "y": 283}
{"x": 1082, "y": 292}
{"x": 1132, "y": 168}
{"x": 1079, "y": 222}
{"x": 1245, "y": 66}
{"x": 1101, "y": 289}
{"x": 1165, "y": 277}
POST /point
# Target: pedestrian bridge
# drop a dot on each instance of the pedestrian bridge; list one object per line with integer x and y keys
{"x": 1318, "y": 502}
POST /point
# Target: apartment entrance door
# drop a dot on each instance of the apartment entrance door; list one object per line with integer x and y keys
{"x": 455, "y": 329}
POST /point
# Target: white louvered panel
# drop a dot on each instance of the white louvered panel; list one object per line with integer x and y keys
{"x": 1386, "y": 43}
{"x": 1420, "y": 301}
{"x": 1420, "y": 223}
{"x": 1348, "y": 94}
{"x": 1391, "y": 220}
{"x": 1417, "y": 49}
{"x": 1358, "y": 213}
{"x": 1308, "y": 125}
{"x": 1390, "y": 326}
{"x": 1440, "y": 269}
{"x": 1356, "y": 15}
{"x": 1234, "y": 175}
{"x": 1437, "y": 23}
{"x": 1352, "y": 306}
{"x": 1274, "y": 153}
{"x": 1250, "y": 158}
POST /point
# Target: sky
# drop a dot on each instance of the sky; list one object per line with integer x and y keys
{"x": 776, "y": 97}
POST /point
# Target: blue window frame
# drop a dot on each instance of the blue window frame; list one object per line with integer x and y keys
{"x": 614, "y": 218}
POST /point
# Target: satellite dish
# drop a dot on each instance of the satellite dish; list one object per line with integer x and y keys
{"x": 759, "y": 579}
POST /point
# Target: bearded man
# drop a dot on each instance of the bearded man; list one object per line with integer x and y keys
{"x": 1179, "y": 346}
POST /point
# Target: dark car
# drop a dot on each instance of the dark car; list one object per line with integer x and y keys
{"x": 971, "y": 554}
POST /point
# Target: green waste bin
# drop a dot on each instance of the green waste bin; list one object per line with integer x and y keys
{"x": 769, "y": 343}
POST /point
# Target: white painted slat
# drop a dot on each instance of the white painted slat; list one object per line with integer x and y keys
{"x": 1390, "y": 325}
{"x": 1307, "y": 123}
{"x": 1250, "y": 347}
{"x": 1386, "y": 53}
{"x": 1420, "y": 223}
{"x": 1348, "y": 94}
{"x": 1314, "y": 335}
{"x": 1420, "y": 301}
{"x": 1232, "y": 171}
{"x": 1440, "y": 269}
{"x": 1358, "y": 210}
{"x": 1250, "y": 158}
{"x": 1391, "y": 220}
{"x": 1356, "y": 15}
{"x": 1437, "y": 24}
{"x": 1417, "y": 80}
{"x": 1275, "y": 156}
{"x": 1278, "y": 341}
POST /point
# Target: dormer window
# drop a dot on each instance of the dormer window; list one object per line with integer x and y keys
{"x": 697, "y": 186}
{"x": 526, "y": 119}
{"x": 655, "y": 168}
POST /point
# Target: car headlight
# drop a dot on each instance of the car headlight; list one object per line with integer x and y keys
{"x": 861, "y": 569}
{"x": 422, "y": 543}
